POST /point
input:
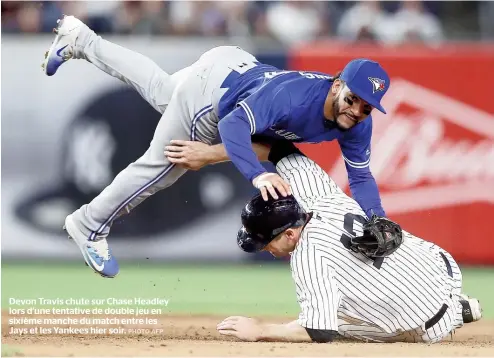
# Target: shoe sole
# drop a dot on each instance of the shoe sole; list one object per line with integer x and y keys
{"x": 68, "y": 222}
{"x": 476, "y": 309}
{"x": 48, "y": 53}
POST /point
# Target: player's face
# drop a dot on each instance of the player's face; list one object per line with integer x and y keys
{"x": 283, "y": 244}
{"x": 349, "y": 109}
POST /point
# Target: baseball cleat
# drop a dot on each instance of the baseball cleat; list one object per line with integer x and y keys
{"x": 472, "y": 311}
{"x": 96, "y": 253}
{"x": 62, "y": 48}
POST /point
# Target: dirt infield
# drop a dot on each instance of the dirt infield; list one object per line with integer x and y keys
{"x": 197, "y": 336}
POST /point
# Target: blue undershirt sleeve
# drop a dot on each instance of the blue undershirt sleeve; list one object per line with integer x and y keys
{"x": 356, "y": 150}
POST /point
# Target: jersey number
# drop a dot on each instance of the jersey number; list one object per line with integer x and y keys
{"x": 348, "y": 221}
{"x": 244, "y": 66}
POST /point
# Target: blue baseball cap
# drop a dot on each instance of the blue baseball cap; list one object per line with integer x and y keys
{"x": 368, "y": 80}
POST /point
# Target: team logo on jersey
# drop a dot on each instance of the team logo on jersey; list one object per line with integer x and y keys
{"x": 377, "y": 84}
{"x": 285, "y": 134}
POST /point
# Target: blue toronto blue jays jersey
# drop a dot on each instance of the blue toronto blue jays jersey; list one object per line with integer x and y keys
{"x": 268, "y": 102}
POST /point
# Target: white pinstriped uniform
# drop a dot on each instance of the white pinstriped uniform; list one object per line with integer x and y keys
{"x": 388, "y": 300}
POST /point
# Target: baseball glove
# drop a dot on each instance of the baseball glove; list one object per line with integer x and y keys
{"x": 381, "y": 237}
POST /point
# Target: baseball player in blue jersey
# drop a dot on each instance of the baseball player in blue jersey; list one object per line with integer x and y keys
{"x": 226, "y": 91}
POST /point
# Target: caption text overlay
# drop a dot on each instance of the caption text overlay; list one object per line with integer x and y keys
{"x": 74, "y": 316}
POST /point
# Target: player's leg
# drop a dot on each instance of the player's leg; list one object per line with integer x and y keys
{"x": 471, "y": 308}
{"x": 76, "y": 40}
{"x": 90, "y": 225}
{"x": 450, "y": 321}
{"x": 461, "y": 309}
{"x": 364, "y": 331}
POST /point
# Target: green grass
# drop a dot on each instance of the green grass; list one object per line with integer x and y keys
{"x": 220, "y": 289}
{"x": 479, "y": 283}
{"x": 196, "y": 289}
{"x": 8, "y": 351}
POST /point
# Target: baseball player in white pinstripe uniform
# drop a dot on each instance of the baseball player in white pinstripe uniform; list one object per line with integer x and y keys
{"x": 410, "y": 291}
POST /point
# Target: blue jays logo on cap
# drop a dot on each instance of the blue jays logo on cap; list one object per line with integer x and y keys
{"x": 378, "y": 84}
{"x": 368, "y": 80}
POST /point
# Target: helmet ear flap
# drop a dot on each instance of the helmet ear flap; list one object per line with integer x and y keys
{"x": 247, "y": 242}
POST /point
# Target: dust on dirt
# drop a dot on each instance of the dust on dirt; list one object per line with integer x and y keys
{"x": 197, "y": 336}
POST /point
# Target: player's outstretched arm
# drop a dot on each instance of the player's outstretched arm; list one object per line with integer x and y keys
{"x": 251, "y": 330}
{"x": 365, "y": 191}
{"x": 356, "y": 150}
{"x": 194, "y": 155}
{"x": 289, "y": 332}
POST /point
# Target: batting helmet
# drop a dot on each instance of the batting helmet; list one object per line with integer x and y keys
{"x": 263, "y": 220}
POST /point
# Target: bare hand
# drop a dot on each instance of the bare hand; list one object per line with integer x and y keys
{"x": 188, "y": 154}
{"x": 244, "y": 328}
{"x": 268, "y": 182}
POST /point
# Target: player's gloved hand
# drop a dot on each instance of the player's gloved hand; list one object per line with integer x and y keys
{"x": 244, "y": 328}
{"x": 191, "y": 155}
{"x": 270, "y": 182}
{"x": 381, "y": 237}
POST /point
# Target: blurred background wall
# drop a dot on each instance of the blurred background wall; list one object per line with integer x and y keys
{"x": 65, "y": 137}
